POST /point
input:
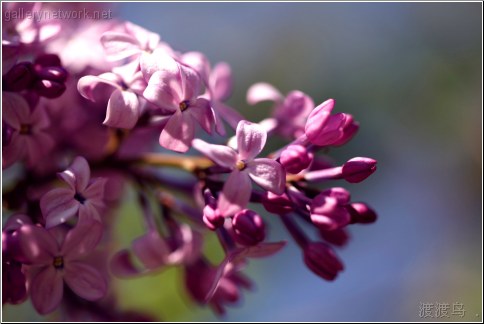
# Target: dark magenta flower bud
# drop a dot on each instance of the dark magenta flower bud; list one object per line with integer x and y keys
{"x": 277, "y": 204}
{"x": 338, "y": 237}
{"x": 327, "y": 214}
{"x": 321, "y": 259}
{"x": 52, "y": 73}
{"x": 342, "y": 195}
{"x": 20, "y": 77}
{"x": 249, "y": 228}
{"x": 350, "y": 128}
{"x": 358, "y": 169}
{"x": 362, "y": 213}
{"x": 46, "y": 60}
{"x": 295, "y": 158}
{"x": 49, "y": 89}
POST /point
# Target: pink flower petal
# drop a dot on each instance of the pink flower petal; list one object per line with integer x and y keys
{"x": 235, "y": 193}
{"x": 80, "y": 169}
{"x": 15, "y": 151}
{"x": 15, "y": 109}
{"x": 221, "y": 81}
{"x": 58, "y": 206}
{"x": 198, "y": 62}
{"x": 118, "y": 46}
{"x": 151, "y": 249}
{"x": 318, "y": 118}
{"x": 263, "y": 92}
{"x": 82, "y": 239}
{"x": 123, "y": 109}
{"x": 178, "y": 132}
{"x": 122, "y": 265}
{"x": 86, "y": 281}
{"x": 251, "y": 139}
{"x": 190, "y": 82}
{"x": 202, "y": 112}
{"x": 229, "y": 114}
{"x": 163, "y": 90}
{"x": 145, "y": 38}
{"x": 46, "y": 290}
{"x": 38, "y": 145}
{"x": 157, "y": 61}
{"x": 220, "y": 154}
{"x": 268, "y": 174}
{"x": 88, "y": 83}
{"x": 37, "y": 245}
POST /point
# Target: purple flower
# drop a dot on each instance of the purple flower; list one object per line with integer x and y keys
{"x": 249, "y": 228}
{"x": 176, "y": 88}
{"x": 58, "y": 262}
{"x": 83, "y": 197}
{"x": 321, "y": 259}
{"x": 125, "y": 103}
{"x": 289, "y": 112}
{"x": 267, "y": 173}
{"x": 29, "y": 141}
{"x": 155, "y": 252}
{"x": 327, "y": 209}
{"x": 324, "y": 129}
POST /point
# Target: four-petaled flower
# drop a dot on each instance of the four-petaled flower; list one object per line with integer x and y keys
{"x": 83, "y": 196}
{"x": 176, "y": 88}
{"x": 54, "y": 263}
{"x": 267, "y": 173}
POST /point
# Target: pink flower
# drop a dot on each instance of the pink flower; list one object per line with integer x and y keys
{"x": 155, "y": 252}
{"x": 29, "y": 141}
{"x": 83, "y": 197}
{"x": 289, "y": 112}
{"x": 267, "y": 173}
{"x": 54, "y": 263}
{"x": 324, "y": 129}
{"x": 125, "y": 103}
{"x": 176, "y": 88}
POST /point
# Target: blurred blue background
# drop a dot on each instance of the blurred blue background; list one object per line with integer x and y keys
{"x": 410, "y": 73}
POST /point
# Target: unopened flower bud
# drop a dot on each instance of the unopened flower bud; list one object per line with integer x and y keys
{"x": 349, "y": 130}
{"x": 52, "y": 73}
{"x": 327, "y": 214}
{"x": 46, "y": 60}
{"x": 212, "y": 217}
{"x": 49, "y": 89}
{"x": 20, "y": 77}
{"x": 362, "y": 213}
{"x": 295, "y": 158}
{"x": 249, "y": 228}
{"x": 321, "y": 259}
{"x": 277, "y": 204}
{"x": 358, "y": 169}
{"x": 342, "y": 195}
{"x": 338, "y": 237}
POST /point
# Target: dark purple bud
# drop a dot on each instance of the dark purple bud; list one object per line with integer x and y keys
{"x": 321, "y": 259}
{"x": 338, "y": 237}
{"x": 45, "y": 60}
{"x": 362, "y": 213}
{"x": 327, "y": 214}
{"x": 249, "y": 228}
{"x": 342, "y": 195}
{"x": 295, "y": 158}
{"x": 49, "y": 89}
{"x": 358, "y": 169}
{"x": 20, "y": 77}
{"x": 350, "y": 129}
{"x": 52, "y": 73}
{"x": 277, "y": 204}
{"x": 212, "y": 217}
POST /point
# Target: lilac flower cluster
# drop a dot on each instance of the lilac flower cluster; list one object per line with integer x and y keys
{"x": 80, "y": 119}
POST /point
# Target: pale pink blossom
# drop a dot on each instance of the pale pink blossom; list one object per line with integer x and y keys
{"x": 267, "y": 173}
